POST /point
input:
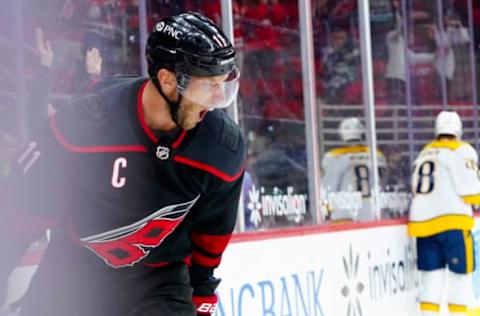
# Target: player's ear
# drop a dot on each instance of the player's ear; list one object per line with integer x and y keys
{"x": 167, "y": 80}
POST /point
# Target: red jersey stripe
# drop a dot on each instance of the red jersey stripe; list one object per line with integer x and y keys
{"x": 213, "y": 244}
{"x": 180, "y": 139}
{"x": 210, "y": 169}
{"x": 204, "y": 260}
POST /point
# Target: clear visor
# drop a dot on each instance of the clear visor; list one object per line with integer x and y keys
{"x": 211, "y": 92}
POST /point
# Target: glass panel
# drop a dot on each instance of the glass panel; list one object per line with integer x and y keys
{"x": 429, "y": 71}
{"x": 271, "y": 113}
{"x": 460, "y": 66}
{"x": 346, "y": 184}
{"x": 440, "y": 66}
{"x": 391, "y": 115}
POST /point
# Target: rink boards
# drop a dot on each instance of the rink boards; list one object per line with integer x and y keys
{"x": 348, "y": 270}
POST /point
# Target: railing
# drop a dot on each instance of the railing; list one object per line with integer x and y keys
{"x": 392, "y": 124}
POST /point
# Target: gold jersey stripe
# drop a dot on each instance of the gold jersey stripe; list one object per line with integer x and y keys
{"x": 440, "y": 224}
{"x": 457, "y": 308}
{"x": 450, "y": 144}
{"x": 471, "y": 199}
{"x": 351, "y": 150}
{"x": 429, "y": 307}
{"x": 467, "y": 235}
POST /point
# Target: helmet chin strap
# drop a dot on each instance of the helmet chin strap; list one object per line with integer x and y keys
{"x": 172, "y": 105}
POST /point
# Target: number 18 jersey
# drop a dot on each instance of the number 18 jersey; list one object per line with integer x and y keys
{"x": 445, "y": 183}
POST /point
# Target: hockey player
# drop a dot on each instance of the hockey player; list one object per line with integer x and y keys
{"x": 347, "y": 170}
{"x": 139, "y": 181}
{"x": 445, "y": 183}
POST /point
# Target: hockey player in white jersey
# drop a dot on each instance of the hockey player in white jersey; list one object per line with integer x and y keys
{"x": 445, "y": 183}
{"x": 346, "y": 172}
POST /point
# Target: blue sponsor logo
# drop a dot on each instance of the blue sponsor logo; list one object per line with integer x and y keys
{"x": 288, "y": 295}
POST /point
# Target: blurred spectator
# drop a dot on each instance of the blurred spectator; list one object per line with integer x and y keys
{"x": 429, "y": 49}
{"x": 102, "y": 29}
{"x": 44, "y": 49}
{"x": 93, "y": 62}
{"x": 459, "y": 39}
{"x": 39, "y": 85}
{"x": 397, "y": 61}
{"x": 39, "y": 81}
{"x": 320, "y": 9}
{"x": 340, "y": 65}
{"x": 338, "y": 12}
{"x": 93, "y": 66}
{"x": 320, "y": 24}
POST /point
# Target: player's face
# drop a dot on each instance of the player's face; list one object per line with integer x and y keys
{"x": 200, "y": 96}
{"x": 207, "y": 91}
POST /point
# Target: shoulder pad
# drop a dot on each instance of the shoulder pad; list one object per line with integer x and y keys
{"x": 216, "y": 146}
{"x": 467, "y": 150}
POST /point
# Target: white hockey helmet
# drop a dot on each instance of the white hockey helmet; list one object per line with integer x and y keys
{"x": 448, "y": 123}
{"x": 351, "y": 129}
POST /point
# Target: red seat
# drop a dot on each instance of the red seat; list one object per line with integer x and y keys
{"x": 288, "y": 109}
{"x": 248, "y": 88}
{"x": 272, "y": 88}
{"x": 295, "y": 65}
{"x": 354, "y": 93}
{"x": 295, "y": 87}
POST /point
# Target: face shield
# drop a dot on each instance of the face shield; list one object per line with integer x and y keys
{"x": 211, "y": 92}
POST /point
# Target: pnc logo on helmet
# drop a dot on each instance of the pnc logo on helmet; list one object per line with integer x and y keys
{"x": 160, "y": 26}
{"x": 169, "y": 30}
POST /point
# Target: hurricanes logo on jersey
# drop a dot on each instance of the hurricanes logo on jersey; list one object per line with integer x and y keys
{"x": 125, "y": 246}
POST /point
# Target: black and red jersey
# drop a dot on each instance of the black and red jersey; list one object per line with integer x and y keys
{"x": 126, "y": 199}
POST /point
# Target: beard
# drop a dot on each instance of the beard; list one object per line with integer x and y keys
{"x": 186, "y": 124}
{"x": 187, "y": 117}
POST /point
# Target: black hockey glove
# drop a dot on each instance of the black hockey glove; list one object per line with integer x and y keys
{"x": 204, "y": 296}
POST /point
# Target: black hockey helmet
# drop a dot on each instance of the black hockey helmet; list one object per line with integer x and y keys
{"x": 192, "y": 45}
{"x": 189, "y": 43}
